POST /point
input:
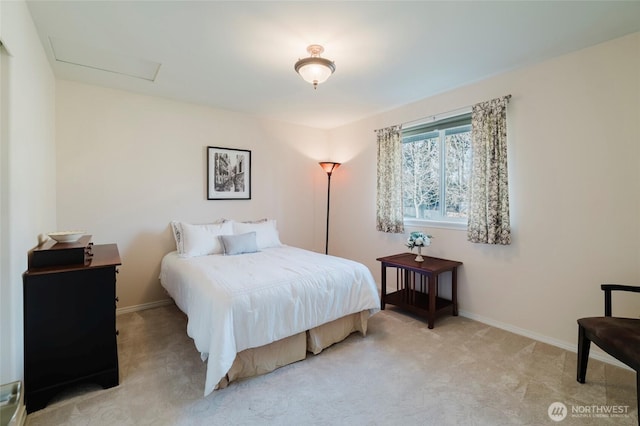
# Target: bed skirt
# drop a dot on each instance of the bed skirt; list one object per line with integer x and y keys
{"x": 264, "y": 359}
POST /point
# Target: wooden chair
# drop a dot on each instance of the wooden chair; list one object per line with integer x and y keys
{"x": 619, "y": 337}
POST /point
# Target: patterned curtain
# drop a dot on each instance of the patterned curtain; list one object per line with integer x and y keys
{"x": 489, "y": 193}
{"x": 389, "y": 214}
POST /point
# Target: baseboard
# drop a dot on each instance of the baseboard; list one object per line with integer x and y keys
{"x": 142, "y": 307}
{"x": 595, "y": 353}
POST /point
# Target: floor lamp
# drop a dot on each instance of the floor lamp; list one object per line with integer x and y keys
{"x": 328, "y": 167}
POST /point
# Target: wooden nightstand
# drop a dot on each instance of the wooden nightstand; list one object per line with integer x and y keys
{"x": 417, "y": 284}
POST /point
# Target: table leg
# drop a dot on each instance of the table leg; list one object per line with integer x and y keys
{"x": 431, "y": 315}
{"x": 412, "y": 287}
{"x": 383, "y": 290}
{"x": 454, "y": 291}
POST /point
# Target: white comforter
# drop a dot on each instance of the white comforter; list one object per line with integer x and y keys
{"x": 245, "y": 301}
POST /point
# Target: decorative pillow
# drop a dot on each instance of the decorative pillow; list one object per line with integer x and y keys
{"x": 238, "y": 244}
{"x": 200, "y": 240}
{"x": 266, "y": 232}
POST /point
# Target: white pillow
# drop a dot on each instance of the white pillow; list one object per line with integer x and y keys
{"x": 238, "y": 244}
{"x": 176, "y": 229}
{"x": 266, "y": 232}
{"x": 200, "y": 240}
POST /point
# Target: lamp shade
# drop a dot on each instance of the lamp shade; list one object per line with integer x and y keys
{"x": 329, "y": 166}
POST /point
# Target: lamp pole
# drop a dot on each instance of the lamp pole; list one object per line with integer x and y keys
{"x": 328, "y": 167}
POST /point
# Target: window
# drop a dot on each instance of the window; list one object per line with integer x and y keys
{"x": 436, "y": 170}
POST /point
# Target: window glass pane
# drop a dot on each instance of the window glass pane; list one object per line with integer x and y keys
{"x": 458, "y": 172}
{"x": 421, "y": 178}
{"x": 437, "y": 170}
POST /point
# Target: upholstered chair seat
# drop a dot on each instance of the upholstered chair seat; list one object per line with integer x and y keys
{"x": 619, "y": 337}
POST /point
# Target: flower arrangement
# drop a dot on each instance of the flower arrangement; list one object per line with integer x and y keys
{"x": 418, "y": 239}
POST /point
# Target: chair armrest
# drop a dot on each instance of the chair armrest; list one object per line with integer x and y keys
{"x": 621, "y": 287}
{"x": 608, "y": 288}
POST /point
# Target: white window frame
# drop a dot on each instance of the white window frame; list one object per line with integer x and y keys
{"x": 452, "y": 223}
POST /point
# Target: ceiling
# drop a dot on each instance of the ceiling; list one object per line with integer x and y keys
{"x": 239, "y": 55}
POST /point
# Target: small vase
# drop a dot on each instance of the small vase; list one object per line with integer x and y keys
{"x": 419, "y": 257}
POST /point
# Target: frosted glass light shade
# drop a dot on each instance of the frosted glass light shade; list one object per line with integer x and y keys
{"x": 314, "y": 69}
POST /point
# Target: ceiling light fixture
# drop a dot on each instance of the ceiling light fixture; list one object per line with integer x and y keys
{"x": 315, "y": 69}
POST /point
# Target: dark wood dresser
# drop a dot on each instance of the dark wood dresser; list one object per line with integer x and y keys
{"x": 69, "y": 318}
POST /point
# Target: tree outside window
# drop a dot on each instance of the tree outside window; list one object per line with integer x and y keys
{"x": 436, "y": 170}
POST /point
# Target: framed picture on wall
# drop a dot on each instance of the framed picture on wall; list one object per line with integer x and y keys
{"x": 228, "y": 174}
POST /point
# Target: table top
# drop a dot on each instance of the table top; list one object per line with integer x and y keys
{"x": 429, "y": 265}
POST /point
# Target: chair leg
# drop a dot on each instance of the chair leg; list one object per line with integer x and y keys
{"x": 638, "y": 393}
{"x": 583, "y": 354}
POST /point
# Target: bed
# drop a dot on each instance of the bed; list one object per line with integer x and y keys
{"x": 254, "y": 304}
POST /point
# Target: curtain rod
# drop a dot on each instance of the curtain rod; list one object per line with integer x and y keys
{"x": 441, "y": 115}
{"x": 437, "y": 117}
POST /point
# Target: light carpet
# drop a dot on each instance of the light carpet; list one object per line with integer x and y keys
{"x": 462, "y": 372}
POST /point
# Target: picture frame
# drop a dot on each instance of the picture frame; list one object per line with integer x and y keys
{"x": 228, "y": 173}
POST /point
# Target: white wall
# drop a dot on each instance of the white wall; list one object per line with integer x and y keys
{"x": 129, "y": 164}
{"x": 574, "y": 153}
{"x": 27, "y": 169}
